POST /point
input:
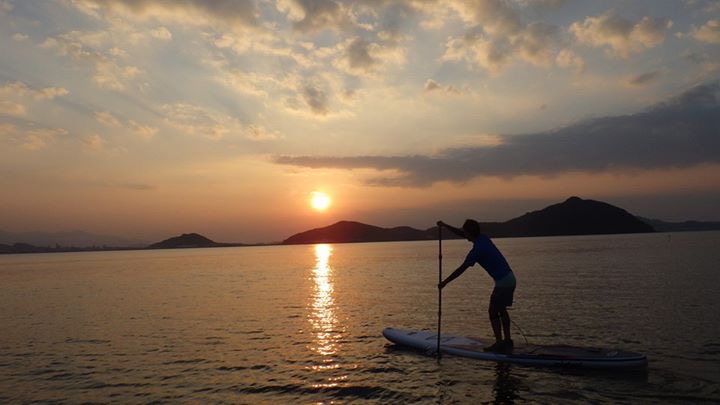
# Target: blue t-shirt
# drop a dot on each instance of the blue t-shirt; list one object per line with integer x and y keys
{"x": 485, "y": 253}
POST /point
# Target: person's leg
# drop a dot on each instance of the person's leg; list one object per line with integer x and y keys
{"x": 505, "y": 318}
{"x": 495, "y": 322}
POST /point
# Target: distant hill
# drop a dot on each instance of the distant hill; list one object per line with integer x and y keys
{"x": 686, "y": 226}
{"x": 67, "y": 239}
{"x": 348, "y": 232}
{"x": 187, "y": 240}
{"x": 574, "y": 216}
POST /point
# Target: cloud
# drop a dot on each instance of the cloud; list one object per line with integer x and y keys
{"x": 93, "y": 142}
{"x": 623, "y": 37}
{"x": 360, "y": 57}
{"x": 200, "y": 121}
{"x": 316, "y": 98}
{"x": 143, "y": 131}
{"x": 431, "y": 86}
{"x": 161, "y": 33}
{"x": 11, "y": 108}
{"x": 14, "y": 92}
{"x": 30, "y": 138}
{"x": 109, "y": 120}
{"x": 83, "y": 46}
{"x": 681, "y": 132}
{"x": 19, "y": 37}
{"x": 20, "y": 89}
{"x": 709, "y": 65}
{"x": 643, "y": 79}
{"x": 5, "y": 7}
{"x": 478, "y": 50}
{"x": 106, "y": 118}
{"x": 234, "y": 14}
{"x": 260, "y": 133}
{"x": 496, "y": 16}
{"x": 535, "y": 43}
{"x": 567, "y": 59}
{"x": 549, "y": 4}
{"x": 498, "y": 36}
{"x": 708, "y": 32}
{"x": 317, "y": 15}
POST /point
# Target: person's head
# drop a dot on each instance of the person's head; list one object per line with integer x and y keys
{"x": 472, "y": 229}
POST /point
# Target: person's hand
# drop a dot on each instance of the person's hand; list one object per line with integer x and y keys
{"x": 440, "y": 223}
{"x": 441, "y": 285}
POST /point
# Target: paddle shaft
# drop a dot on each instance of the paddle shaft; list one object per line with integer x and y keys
{"x": 439, "y": 289}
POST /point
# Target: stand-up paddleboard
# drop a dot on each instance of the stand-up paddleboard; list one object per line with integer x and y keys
{"x": 537, "y": 355}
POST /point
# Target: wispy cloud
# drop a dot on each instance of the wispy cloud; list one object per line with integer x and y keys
{"x": 643, "y": 79}
{"x": 30, "y": 138}
{"x": 110, "y": 71}
{"x": 680, "y": 132}
{"x": 239, "y": 13}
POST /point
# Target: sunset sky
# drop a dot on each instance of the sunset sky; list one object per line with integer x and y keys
{"x": 147, "y": 119}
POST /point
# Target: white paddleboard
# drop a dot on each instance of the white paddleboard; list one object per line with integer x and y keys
{"x": 537, "y": 355}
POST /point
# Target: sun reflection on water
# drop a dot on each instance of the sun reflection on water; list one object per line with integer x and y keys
{"x": 323, "y": 318}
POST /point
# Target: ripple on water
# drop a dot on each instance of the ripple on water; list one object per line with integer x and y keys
{"x": 87, "y": 341}
{"x": 298, "y": 391}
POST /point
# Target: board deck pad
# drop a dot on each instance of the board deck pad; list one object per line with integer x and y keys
{"x": 540, "y": 355}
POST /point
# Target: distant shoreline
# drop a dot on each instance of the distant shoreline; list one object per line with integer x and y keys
{"x": 572, "y": 217}
{"x": 249, "y": 245}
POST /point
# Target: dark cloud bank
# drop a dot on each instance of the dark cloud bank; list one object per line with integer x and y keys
{"x": 681, "y": 132}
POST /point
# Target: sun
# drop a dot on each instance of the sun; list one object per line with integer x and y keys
{"x": 319, "y": 200}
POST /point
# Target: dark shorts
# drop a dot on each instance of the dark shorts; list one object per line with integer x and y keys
{"x": 502, "y": 297}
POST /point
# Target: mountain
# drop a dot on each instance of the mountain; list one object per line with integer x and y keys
{"x": 686, "y": 226}
{"x": 73, "y": 238}
{"x": 348, "y": 232}
{"x": 574, "y": 216}
{"x": 186, "y": 240}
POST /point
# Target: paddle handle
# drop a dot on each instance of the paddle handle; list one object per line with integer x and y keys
{"x": 437, "y": 349}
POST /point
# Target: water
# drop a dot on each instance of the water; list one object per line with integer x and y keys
{"x": 302, "y": 324}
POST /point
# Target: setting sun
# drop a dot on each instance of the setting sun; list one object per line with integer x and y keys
{"x": 320, "y": 201}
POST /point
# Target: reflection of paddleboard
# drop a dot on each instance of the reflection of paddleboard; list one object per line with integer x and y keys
{"x": 539, "y": 355}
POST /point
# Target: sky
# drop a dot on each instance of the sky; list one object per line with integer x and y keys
{"x": 147, "y": 119}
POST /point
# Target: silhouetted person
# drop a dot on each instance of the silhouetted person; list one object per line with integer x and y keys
{"x": 489, "y": 257}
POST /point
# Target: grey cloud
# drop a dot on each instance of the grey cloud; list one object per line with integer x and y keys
{"x": 643, "y": 79}
{"x": 316, "y": 98}
{"x": 136, "y": 186}
{"x": 358, "y": 56}
{"x": 681, "y": 132}
{"x": 431, "y": 85}
{"x": 540, "y": 4}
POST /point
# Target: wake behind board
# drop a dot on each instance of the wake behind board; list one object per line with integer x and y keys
{"x": 536, "y": 355}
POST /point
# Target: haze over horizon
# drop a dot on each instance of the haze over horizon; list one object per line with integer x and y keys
{"x": 151, "y": 119}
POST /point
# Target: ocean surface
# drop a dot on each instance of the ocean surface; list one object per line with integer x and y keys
{"x": 303, "y": 324}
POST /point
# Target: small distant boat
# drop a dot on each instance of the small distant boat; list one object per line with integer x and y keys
{"x": 535, "y": 355}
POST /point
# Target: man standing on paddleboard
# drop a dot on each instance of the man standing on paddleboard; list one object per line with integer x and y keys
{"x": 485, "y": 253}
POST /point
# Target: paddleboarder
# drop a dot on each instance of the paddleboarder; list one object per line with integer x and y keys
{"x": 485, "y": 253}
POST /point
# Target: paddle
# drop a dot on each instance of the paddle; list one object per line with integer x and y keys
{"x": 439, "y": 289}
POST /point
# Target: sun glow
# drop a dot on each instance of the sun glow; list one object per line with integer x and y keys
{"x": 320, "y": 201}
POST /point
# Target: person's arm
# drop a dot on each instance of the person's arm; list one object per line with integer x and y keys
{"x": 455, "y": 274}
{"x": 457, "y": 231}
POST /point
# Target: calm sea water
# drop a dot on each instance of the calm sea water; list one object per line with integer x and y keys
{"x": 302, "y": 324}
